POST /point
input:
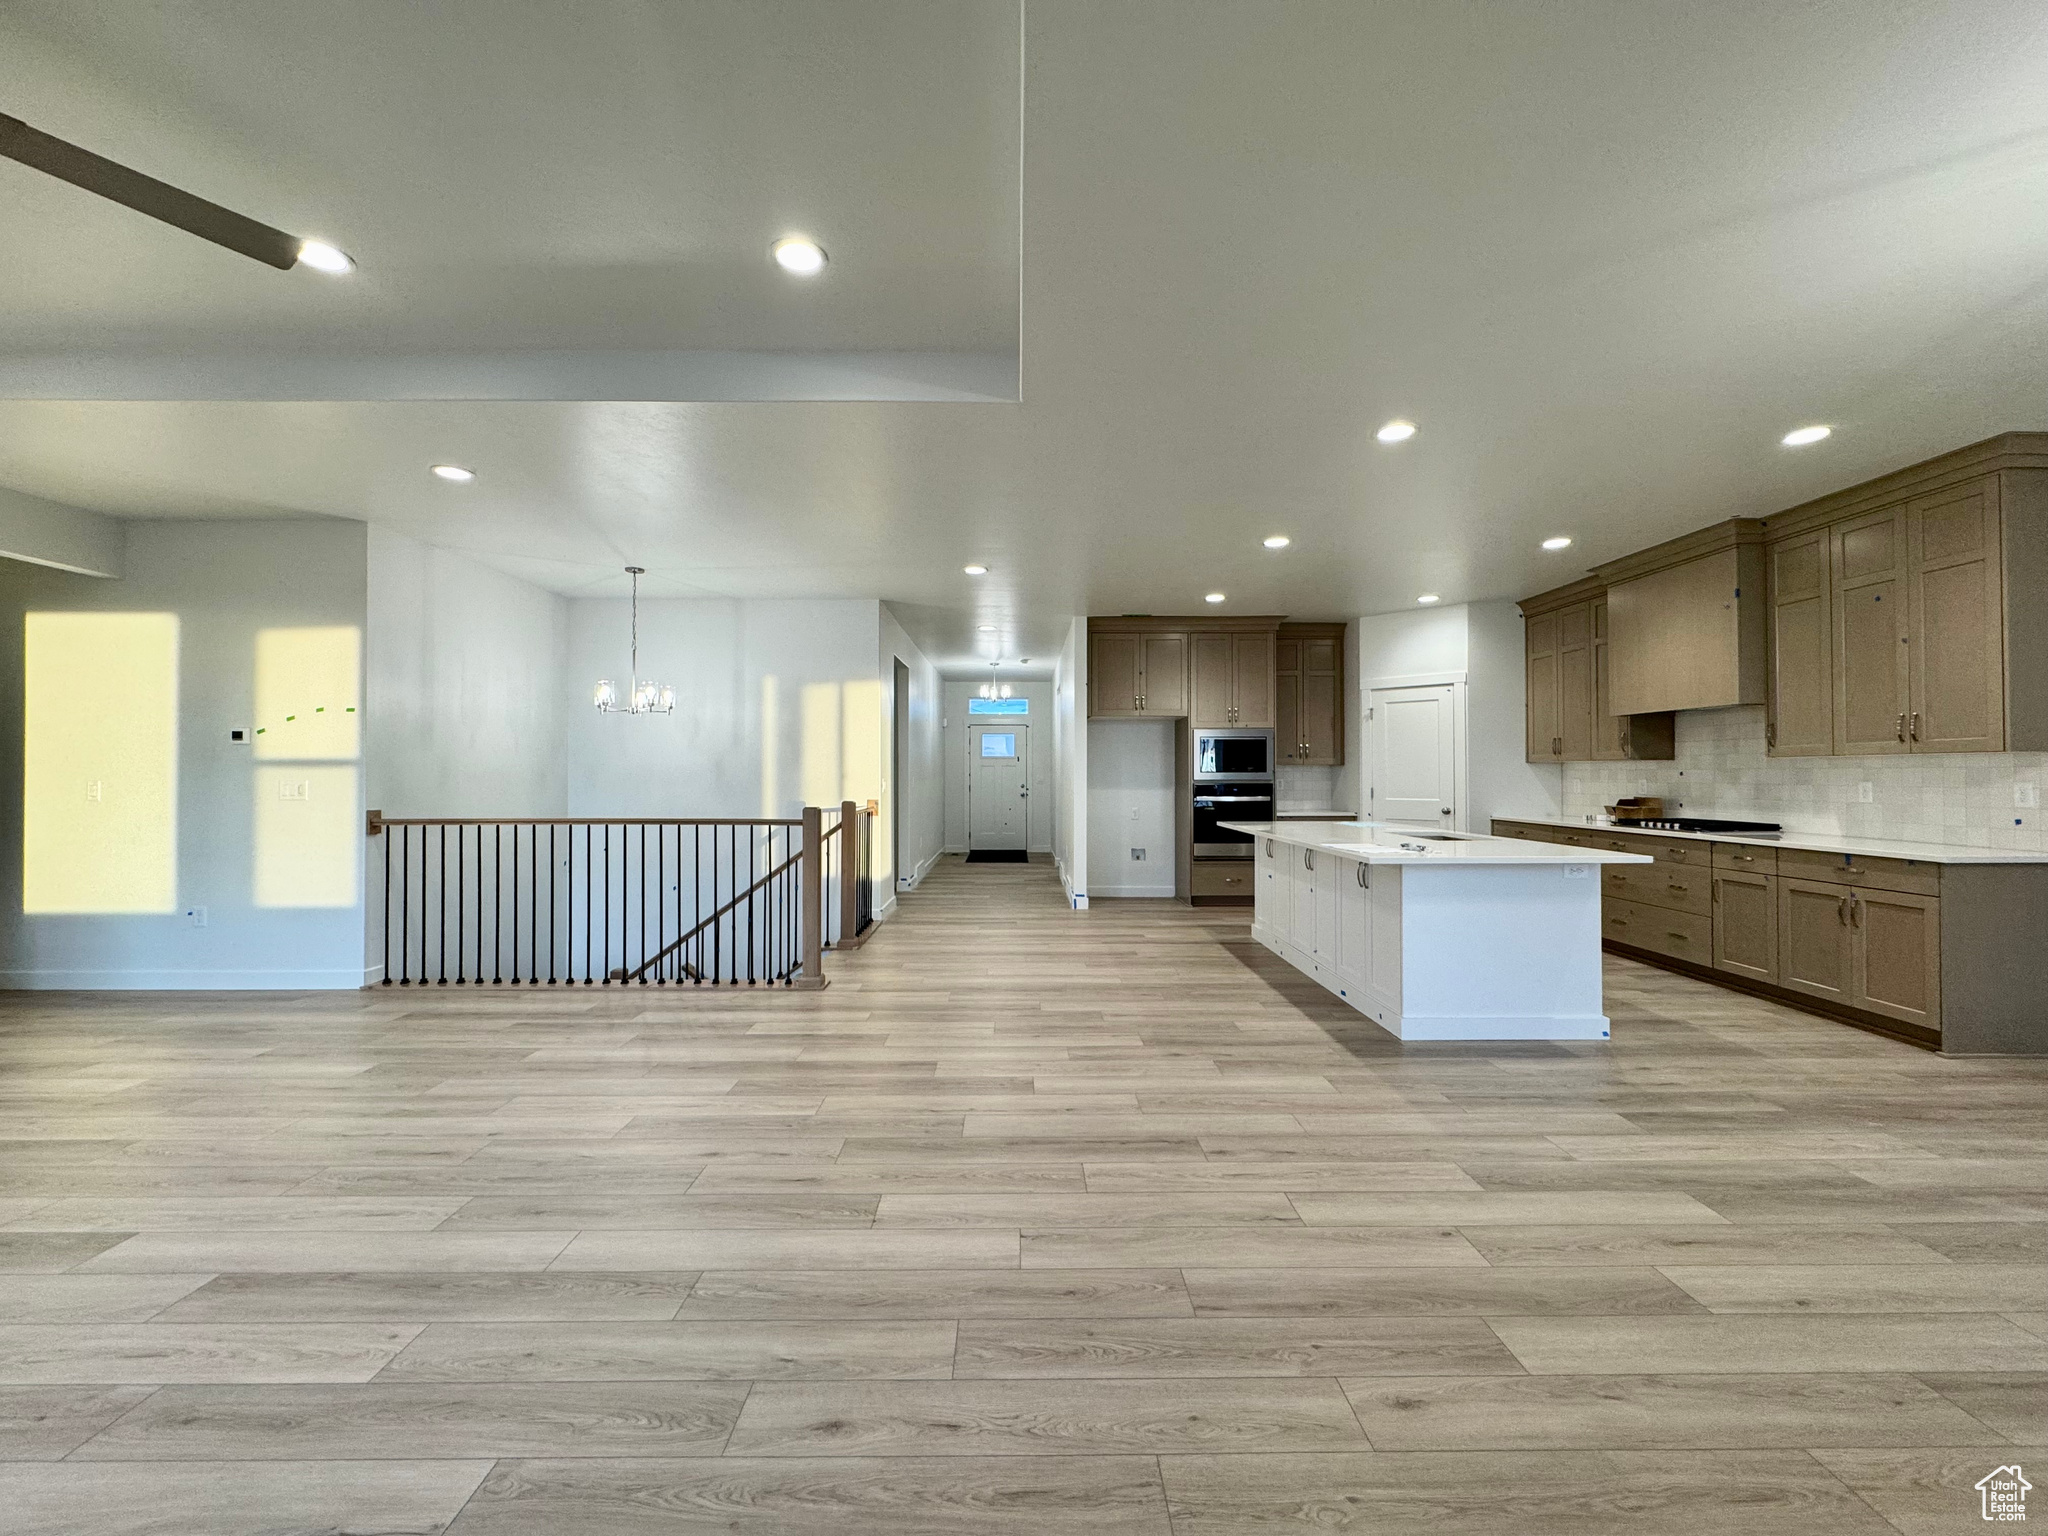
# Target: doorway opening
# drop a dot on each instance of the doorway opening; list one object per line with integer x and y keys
{"x": 899, "y": 798}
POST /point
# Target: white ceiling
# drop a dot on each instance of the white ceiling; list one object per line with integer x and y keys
{"x": 1604, "y": 253}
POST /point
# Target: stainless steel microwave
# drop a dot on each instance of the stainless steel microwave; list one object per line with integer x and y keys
{"x": 1223, "y": 757}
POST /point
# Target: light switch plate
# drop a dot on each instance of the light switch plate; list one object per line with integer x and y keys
{"x": 196, "y": 916}
{"x": 1866, "y": 792}
{"x": 2026, "y": 796}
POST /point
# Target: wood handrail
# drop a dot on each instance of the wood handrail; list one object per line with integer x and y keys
{"x": 378, "y": 821}
{"x": 668, "y": 949}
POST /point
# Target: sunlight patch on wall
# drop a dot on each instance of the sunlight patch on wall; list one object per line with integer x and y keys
{"x": 307, "y": 837}
{"x": 771, "y": 744}
{"x": 100, "y": 763}
{"x": 308, "y": 686}
{"x": 820, "y": 743}
{"x": 860, "y": 773}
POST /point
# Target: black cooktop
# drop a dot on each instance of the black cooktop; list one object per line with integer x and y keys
{"x": 1698, "y": 824}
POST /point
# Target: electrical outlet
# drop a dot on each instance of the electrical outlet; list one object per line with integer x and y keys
{"x": 1134, "y": 813}
{"x": 196, "y": 916}
{"x": 239, "y": 733}
{"x": 95, "y": 790}
{"x": 1138, "y": 854}
{"x": 1866, "y": 792}
{"x": 294, "y": 789}
{"x": 2026, "y": 796}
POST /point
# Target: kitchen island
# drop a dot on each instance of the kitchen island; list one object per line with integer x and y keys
{"x": 1437, "y": 935}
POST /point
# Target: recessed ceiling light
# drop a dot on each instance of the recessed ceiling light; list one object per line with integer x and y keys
{"x": 322, "y": 257}
{"x": 1213, "y": 597}
{"x": 1396, "y": 431}
{"x": 1278, "y": 541}
{"x": 975, "y": 570}
{"x": 1427, "y": 598}
{"x": 986, "y": 629}
{"x": 454, "y": 472}
{"x": 805, "y": 258}
{"x": 1799, "y": 437}
{"x": 1560, "y": 542}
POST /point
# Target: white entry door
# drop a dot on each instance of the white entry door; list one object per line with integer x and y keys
{"x": 1414, "y": 755}
{"x": 998, "y": 785}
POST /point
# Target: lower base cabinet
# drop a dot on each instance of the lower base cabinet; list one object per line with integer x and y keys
{"x": 1896, "y": 950}
{"x": 1813, "y": 940}
{"x": 1745, "y": 921}
{"x": 1321, "y": 909}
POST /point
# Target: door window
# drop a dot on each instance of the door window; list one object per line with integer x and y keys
{"x": 998, "y": 744}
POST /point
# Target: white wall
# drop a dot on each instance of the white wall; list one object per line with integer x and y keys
{"x": 918, "y": 796}
{"x": 226, "y": 581}
{"x": 1070, "y": 754}
{"x": 1044, "y": 761}
{"x": 1478, "y": 645}
{"x": 1131, "y": 805}
{"x": 1503, "y": 782}
{"x": 779, "y": 704}
{"x": 464, "y": 686}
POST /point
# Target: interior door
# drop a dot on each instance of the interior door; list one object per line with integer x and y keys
{"x": 1414, "y": 762}
{"x": 998, "y": 785}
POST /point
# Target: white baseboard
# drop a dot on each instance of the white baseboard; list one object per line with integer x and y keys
{"x": 916, "y": 877}
{"x": 188, "y": 981}
{"x": 1113, "y": 892}
{"x": 1078, "y": 900}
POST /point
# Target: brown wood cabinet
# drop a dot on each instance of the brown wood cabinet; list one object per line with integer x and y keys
{"x": 1567, "y": 661}
{"x": 1746, "y": 924}
{"x": 1801, "y": 720}
{"x": 1137, "y": 675}
{"x": 1309, "y": 695}
{"x": 1813, "y": 940}
{"x": 1895, "y": 942}
{"x": 1867, "y": 565}
{"x": 1955, "y": 608}
{"x": 1231, "y": 680}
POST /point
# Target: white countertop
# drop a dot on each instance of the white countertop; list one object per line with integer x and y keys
{"x": 1811, "y": 842}
{"x": 1374, "y": 843}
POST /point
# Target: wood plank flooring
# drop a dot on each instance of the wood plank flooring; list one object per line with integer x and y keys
{"x": 1032, "y": 1222}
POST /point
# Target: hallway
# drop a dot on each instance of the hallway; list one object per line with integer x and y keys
{"x": 1033, "y": 1222}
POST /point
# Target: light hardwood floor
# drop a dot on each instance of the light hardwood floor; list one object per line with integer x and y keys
{"x": 1033, "y": 1222}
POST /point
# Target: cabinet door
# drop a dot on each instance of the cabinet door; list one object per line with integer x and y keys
{"x": 1327, "y": 877}
{"x": 1802, "y": 703}
{"x": 1210, "y": 666}
{"x": 1897, "y": 945}
{"x": 1287, "y": 699}
{"x": 1113, "y": 686}
{"x": 1746, "y": 924}
{"x": 1956, "y": 621}
{"x": 1163, "y": 675}
{"x": 1253, "y": 673}
{"x": 1267, "y": 910}
{"x": 1575, "y": 682}
{"x": 1354, "y": 926}
{"x": 1321, "y": 745}
{"x": 1868, "y": 569}
{"x": 1541, "y": 642}
{"x": 1301, "y": 900}
{"x": 1814, "y": 939}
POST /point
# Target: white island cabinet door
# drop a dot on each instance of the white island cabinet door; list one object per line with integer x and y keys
{"x": 1354, "y": 930}
{"x": 1269, "y": 915}
{"x": 1301, "y": 901}
{"x": 1329, "y": 874}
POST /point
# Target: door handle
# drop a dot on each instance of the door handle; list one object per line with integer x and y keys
{"x": 1445, "y": 811}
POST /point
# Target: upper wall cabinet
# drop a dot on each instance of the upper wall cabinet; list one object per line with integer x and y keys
{"x": 1910, "y": 614}
{"x": 1686, "y": 622}
{"x": 1309, "y": 695}
{"x": 1216, "y": 674}
{"x": 1570, "y": 715}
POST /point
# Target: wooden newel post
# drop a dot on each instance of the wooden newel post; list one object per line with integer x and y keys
{"x": 813, "y": 974}
{"x": 849, "y": 876}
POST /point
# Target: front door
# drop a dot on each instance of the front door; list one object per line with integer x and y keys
{"x": 1414, "y": 764}
{"x": 998, "y": 785}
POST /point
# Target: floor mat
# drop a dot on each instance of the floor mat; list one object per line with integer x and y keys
{"x": 999, "y": 856}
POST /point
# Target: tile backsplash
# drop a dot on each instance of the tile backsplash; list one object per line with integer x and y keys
{"x": 1309, "y": 789}
{"x": 1722, "y": 770}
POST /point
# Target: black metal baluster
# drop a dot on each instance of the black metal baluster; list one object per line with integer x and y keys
{"x": 551, "y": 904}
{"x": 443, "y": 894}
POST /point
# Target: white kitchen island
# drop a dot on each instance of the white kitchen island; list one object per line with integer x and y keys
{"x": 1437, "y": 935}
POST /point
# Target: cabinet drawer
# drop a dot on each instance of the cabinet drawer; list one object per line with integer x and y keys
{"x": 1221, "y": 877}
{"x": 1754, "y": 861}
{"x": 1660, "y": 885}
{"x": 1665, "y": 850}
{"x": 1908, "y": 875}
{"x": 1681, "y": 935}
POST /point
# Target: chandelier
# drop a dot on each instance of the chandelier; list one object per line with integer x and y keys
{"x": 993, "y": 689}
{"x": 641, "y": 698}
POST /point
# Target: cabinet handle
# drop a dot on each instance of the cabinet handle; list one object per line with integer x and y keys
{"x": 1855, "y": 911}
{"x": 1308, "y": 858}
{"x": 1673, "y": 933}
{"x": 1771, "y": 734}
{"x": 1900, "y": 729}
{"x": 1364, "y": 882}
{"x": 1842, "y": 911}
{"x": 1914, "y": 728}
